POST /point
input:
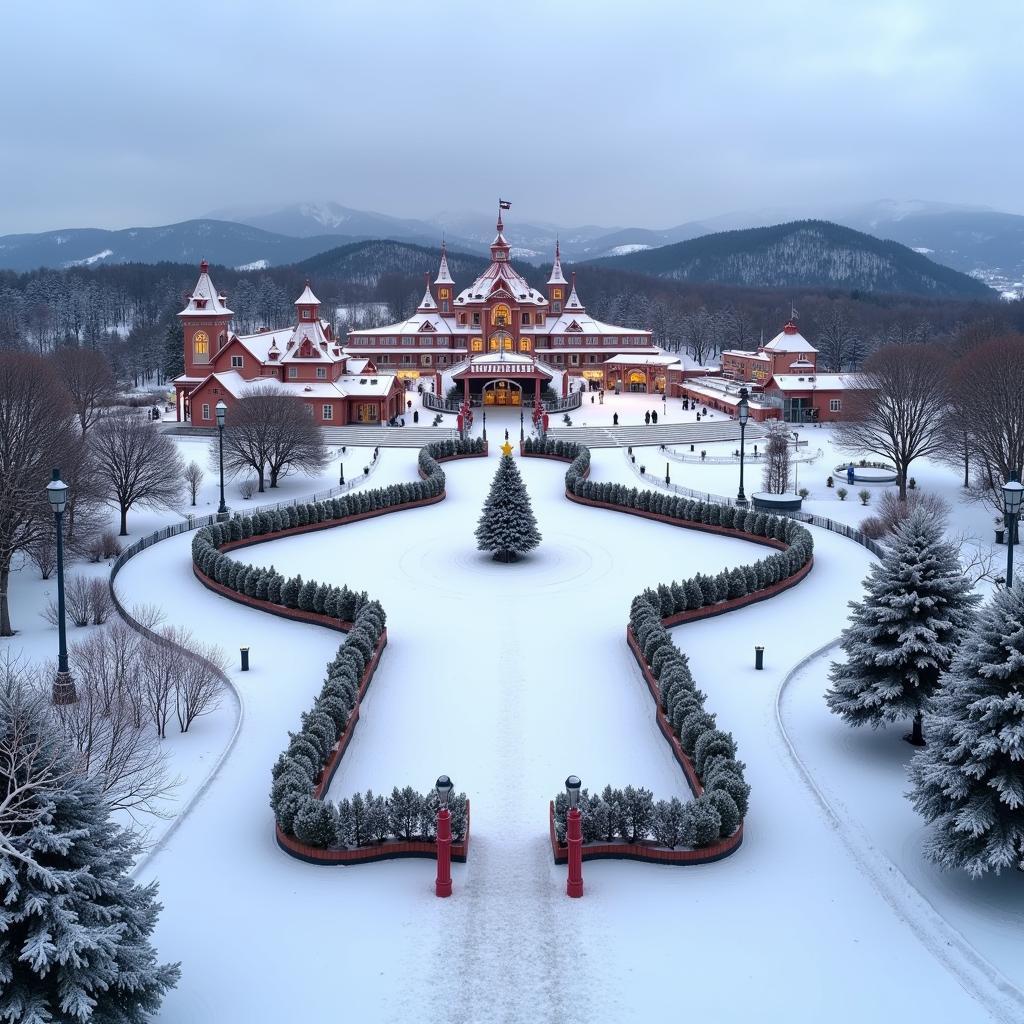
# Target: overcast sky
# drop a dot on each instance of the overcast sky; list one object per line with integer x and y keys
{"x": 629, "y": 113}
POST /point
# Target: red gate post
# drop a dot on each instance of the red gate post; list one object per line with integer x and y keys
{"x": 443, "y": 884}
{"x": 574, "y": 837}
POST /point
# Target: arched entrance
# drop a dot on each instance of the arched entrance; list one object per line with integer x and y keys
{"x": 502, "y": 392}
{"x": 637, "y": 380}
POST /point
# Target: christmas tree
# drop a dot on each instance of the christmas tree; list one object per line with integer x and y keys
{"x": 507, "y": 526}
{"x": 905, "y": 632}
{"x": 969, "y": 781}
{"x": 74, "y": 927}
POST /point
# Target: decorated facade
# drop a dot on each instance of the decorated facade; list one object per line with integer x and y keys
{"x": 499, "y": 315}
{"x": 303, "y": 360}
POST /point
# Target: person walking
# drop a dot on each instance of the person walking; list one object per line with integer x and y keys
{"x": 654, "y": 417}
{"x": 647, "y": 417}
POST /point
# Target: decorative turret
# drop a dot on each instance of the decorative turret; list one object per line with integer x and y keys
{"x": 427, "y": 303}
{"x": 444, "y": 283}
{"x": 205, "y": 320}
{"x": 308, "y": 305}
{"x": 573, "y": 302}
{"x": 556, "y": 282}
{"x": 499, "y": 247}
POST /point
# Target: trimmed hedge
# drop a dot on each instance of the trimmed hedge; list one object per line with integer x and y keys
{"x": 632, "y": 813}
{"x": 363, "y": 819}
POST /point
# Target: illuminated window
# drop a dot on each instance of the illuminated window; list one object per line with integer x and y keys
{"x": 556, "y": 293}
{"x": 524, "y": 344}
{"x": 443, "y": 293}
{"x": 501, "y": 315}
{"x": 477, "y": 345}
{"x": 201, "y": 346}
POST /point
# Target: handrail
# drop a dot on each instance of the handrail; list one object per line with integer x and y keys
{"x": 572, "y": 401}
{"x": 732, "y": 460}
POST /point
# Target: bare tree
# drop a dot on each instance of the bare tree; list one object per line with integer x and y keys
{"x": 837, "y": 340}
{"x": 159, "y": 669}
{"x": 103, "y": 728}
{"x": 36, "y": 433}
{"x": 295, "y": 441}
{"x": 247, "y": 432}
{"x": 43, "y": 553}
{"x": 89, "y": 380}
{"x": 988, "y": 404}
{"x": 898, "y": 410}
{"x": 136, "y": 464}
{"x": 776, "y": 455}
{"x": 198, "y": 688}
{"x": 193, "y": 479}
{"x": 699, "y": 334}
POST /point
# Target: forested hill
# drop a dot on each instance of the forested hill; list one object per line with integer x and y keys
{"x": 802, "y": 254}
{"x": 367, "y": 262}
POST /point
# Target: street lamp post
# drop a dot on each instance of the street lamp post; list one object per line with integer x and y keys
{"x": 574, "y": 838}
{"x": 443, "y": 884}
{"x": 1013, "y": 491}
{"x": 522, "y": 430}
{"x": 485, "y": 424}
{"x": 63, "y": 684}
{"x": 222, "y": 512}
{"x": 743, "y": 414}
{"x": 341, "y": 474}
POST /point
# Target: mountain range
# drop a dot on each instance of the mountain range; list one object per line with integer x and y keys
{"x": 986, "y": 243}
{"x": 801, "y": 254}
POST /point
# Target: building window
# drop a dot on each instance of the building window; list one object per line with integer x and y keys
{"x": 525, "y": 344}
{"x": 307, "y": 314}
{"x": 293, "y": 372}
{"x": 425, "y": 359}
{"x": 574, "y": 359}
{"x": 206, "y": 410}
{"x": 476, "y": 345}
{"x": 462, "y": 318}
{"x": 406, "y": 359}
{"x": 321, "y": 373}
{"x": 201, "y": 347}
{"x": 476, "y": 319}
{"x": 526, "y": 319}
{"x": 556, "y": 307}
{"x": 444, "y": 305}
{"x": 328, "y": 412}
{"x": 443, "y": 293}
{"x": 556, "y": 293}
{"x": 236, "y": 361}
{"x": 835, "y": 405}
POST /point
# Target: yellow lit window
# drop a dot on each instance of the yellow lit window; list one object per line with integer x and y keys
{"x": 443, "y": 293}
{"x": 501, "y": 315}
{"x": 556, "y": 293}
{"x": 200, "y": 343}
{"x": 524, "y": 344}
{"x": 477, "y": 345}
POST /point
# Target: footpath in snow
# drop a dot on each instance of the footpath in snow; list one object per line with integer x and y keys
{"x": 508, "y": 678}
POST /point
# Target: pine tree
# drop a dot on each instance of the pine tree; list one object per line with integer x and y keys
{"x": 905, "y": 632}
{"x": 969, "y": 781}
{"x": 507, "y": 526}
{"x": 74, "y": 927}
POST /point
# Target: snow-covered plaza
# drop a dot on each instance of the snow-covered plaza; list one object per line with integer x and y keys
{"x": 508, "y": 677}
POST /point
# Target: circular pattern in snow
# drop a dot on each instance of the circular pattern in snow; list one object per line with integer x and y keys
{"x": 455, "y": 568}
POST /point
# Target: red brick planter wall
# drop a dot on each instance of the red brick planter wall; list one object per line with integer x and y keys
{"x": 648, "y": 851}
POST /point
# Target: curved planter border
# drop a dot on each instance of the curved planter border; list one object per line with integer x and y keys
{"x": 389, "y": 849}
{"x": 648, "y": 852}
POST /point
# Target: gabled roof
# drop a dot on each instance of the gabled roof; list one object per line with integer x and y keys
{"x": 205, "y": 299}
{"x": 573, "y": 302}
{"x": 307, "y": 298}
{"x": 427, "y": 302}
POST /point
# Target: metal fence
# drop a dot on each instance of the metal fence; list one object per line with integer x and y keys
{"x": 571, "y": 401}
{"x": 733, "y": 460}
{"x": 435, "y": 404}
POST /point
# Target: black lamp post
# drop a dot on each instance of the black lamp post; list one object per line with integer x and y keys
{"x": 743, "y": 414}
{"x": 522, "y": 429}
{"x": 63, "y": 684}
{"x": 1013, "y": 491}
{"x": 485, "y": 423}
{"x": 222, "y": 512}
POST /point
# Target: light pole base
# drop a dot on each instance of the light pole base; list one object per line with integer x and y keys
{"x": 741, "y": 503}
{"x": 223, "y": 515}
{"x": 64, "y": 689}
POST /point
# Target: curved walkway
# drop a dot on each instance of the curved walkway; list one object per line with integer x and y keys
{"x": 521, "y": 673}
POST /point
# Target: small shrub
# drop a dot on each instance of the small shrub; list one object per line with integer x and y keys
{"x": 841, "y": 493}
{"x": 803, "y": 492}
{"x": 865, "y": 495}
{"x": 247, "y": 489}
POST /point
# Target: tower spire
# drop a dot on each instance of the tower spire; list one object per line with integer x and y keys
{"x": 557, "y": 277}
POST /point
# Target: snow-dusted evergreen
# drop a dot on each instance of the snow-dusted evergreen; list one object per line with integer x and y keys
{"x": 906, "y": 630}
{"x": 969, "y": 781}
{"x": 74, "y": 928}
{"x": 507, "y": 526}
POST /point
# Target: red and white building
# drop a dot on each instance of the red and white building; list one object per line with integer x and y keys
{"x": 499, "y": 313}
{"x": 304, "y": 360}
{"x": 783, "y": 381}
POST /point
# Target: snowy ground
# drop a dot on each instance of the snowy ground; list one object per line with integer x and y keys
{"x": 508, "y": 678}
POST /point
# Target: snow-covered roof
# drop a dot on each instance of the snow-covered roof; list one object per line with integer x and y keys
{"x": 581, "y": 323}
{"x": 596, "y": 351}
{"x": 307, "y": 298}
{"x": 573, "y": 302}
{"x": 789, "y": 339}
{"x": 643, "y": 360}
{"x": 314, "y": 332}
{"x": 205, "y": 299}
{"x": 419, "y": 324}
{"x": 427, "y": 302}
{"x": 355, "y": 384}
{"x": 742, "y": 352}
{"x": 816, "y": 381}
{"x": 259, "y": 345}
{"x": 557, "y": 277}
{"x": 443, "y": 276}
{"x": 500, "y": 275}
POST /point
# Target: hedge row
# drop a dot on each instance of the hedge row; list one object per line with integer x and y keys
{"x": 362, "y": 819}
{"x": 712, "y": 751}
{"x": 631, "y": 814}
{"x": 551, "y": 446}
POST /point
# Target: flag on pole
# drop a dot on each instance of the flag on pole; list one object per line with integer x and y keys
{"x": 504, "y": 204}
